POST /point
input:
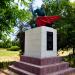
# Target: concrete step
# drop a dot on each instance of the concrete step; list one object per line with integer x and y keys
{"x": 41, "y": 69}
{"x": 18, "y": 71}
{"x": 41, "y": 61}
{"x": 68, "y": 71}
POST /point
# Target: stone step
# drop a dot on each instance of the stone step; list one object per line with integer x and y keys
{"x": 68, "y": 71}
{"x": 41, "y": 69}
{"x": 18, "y": 71}
{"x": 41, "y": 61}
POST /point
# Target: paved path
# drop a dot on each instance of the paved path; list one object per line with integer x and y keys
{"x": 6, "y": 72}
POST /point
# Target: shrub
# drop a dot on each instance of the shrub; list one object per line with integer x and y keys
{"x": 6, "y": 64}
{"x": 14, "y": 48}
{"x": 70, "y": 59}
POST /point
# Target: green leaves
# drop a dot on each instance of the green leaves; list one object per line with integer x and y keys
{"x": 10, "y": 12}
{"x": 66, "y": 25}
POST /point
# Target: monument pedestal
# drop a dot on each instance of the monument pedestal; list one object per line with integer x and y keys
{"x": 41, "y": 42}
{"x": 40, "y": 56}
{"x": 44, "y": 66}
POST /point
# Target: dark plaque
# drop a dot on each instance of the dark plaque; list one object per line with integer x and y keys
{"x": 49, "y": 40}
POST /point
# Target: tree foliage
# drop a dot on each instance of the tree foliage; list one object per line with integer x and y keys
{"x": 11, "y": 12}
{"x": 65, "y": 27}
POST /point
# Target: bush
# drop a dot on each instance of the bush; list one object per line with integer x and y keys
{"x": 14, "y": 48}
{"x": 70, "y": 59}
{"x": 6, "y": 64}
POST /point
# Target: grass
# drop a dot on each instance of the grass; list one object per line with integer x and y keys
{"x": 5, "y": 52}
{"x": 65, "y": 52}
{"x": 6, "y": 55}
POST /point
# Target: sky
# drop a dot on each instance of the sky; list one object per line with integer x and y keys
{"x": 12, "y": 35}
{"x": 37, "y": 4}
{"x": 72, "y": 0}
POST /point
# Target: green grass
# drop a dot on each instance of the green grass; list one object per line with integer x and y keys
{"x": 5, "y": 52}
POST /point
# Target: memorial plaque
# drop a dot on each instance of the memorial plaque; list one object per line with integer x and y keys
{"x": 49, "y": 41}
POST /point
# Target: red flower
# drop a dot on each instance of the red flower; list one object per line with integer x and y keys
{"x": 44, "y": 20}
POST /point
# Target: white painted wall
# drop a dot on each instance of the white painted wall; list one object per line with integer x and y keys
{"x": 35, "y": 42}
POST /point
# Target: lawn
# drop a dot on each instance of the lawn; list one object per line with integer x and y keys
{"x": 5, "y": 52}
{"x": 6, "y": 55}
{"x": 65, "y": 52}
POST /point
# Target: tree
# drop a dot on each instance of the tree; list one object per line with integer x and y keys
{"x": 65, "y": 26}
{"x": 11, "y": 12}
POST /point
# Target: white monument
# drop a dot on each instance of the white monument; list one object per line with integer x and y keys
{"x": 40, "y": 56}
{"x": 41, "y": 42}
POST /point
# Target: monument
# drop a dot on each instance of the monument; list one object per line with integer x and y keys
{"x": 40, "y": 55}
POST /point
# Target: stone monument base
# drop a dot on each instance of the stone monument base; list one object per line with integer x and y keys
{"x": 43, "y": 66}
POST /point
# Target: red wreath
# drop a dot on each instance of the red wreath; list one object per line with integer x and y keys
{"x": 44, "y": 20}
